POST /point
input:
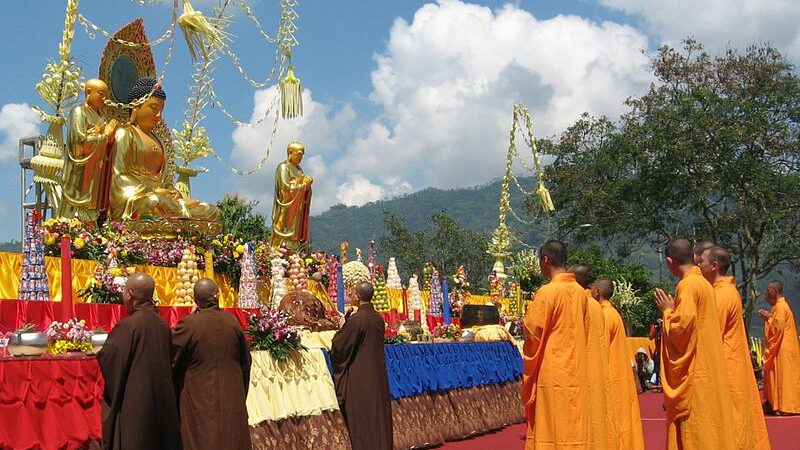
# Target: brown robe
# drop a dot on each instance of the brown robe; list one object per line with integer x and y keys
{"x": 362, "y": 384}
{"x": 139, "y": 407}
{"x": 211, "y": 364}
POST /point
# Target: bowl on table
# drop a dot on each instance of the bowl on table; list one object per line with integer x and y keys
{"x": 27, "y": 344}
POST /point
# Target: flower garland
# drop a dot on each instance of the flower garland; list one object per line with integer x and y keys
{"x": 450, "y": 332}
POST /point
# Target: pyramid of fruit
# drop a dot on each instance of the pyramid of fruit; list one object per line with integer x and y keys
{"x": 381, "y": 298}
{"x": 188, "y": 274}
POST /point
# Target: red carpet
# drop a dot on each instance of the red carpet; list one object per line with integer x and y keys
{"x": 784, "y": 432}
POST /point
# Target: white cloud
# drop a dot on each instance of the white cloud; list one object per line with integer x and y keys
{"x": 718, "y": 23}
{"x": 17, "y": 120}
{"x": 444, "y": 88}
{"x": 446, "y": 83}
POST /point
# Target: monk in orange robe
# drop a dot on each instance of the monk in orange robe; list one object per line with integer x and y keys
{"x": 603, "y": 432}
{"x": 782, "y": 355}
{"x": 750, "y": 430}
{"x": 555, "y": 389}
{"x": 696, "y": 394}
{"x": 623, "y": 385}
{"x": 699, "y": 249}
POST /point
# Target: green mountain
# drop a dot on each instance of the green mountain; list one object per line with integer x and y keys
{"x": 474, "y": 208}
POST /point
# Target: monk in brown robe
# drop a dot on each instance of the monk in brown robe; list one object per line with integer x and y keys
{"x": 359, "y": 374}
{"x": 211, "y": 363}
{"x": 696, "y": 394}
{"x": 139, "y": 407}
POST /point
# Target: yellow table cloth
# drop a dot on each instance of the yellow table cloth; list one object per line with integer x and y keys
{"x": 317, "y": 339}
{"x": 300, "y": 386}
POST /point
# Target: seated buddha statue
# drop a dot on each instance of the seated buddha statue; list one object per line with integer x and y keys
{"x": 140, "y": 187}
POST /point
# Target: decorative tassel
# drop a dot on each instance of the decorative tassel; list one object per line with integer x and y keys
{"x": 544, "y": 198}
{"x": 291, "y": 95}
{"x": 200, "y": 31}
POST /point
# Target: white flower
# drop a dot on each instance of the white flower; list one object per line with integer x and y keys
{"x": 120, "y": 281}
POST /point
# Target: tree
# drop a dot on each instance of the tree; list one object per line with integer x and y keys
{"x": 638, "y": 319}
{"x": 711, "y": 151}
{"x": 449, "y": 246}
{"x": 238, "y": 217}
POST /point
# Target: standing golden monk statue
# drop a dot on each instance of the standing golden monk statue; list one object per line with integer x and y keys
{"x": 140, "y": 185}
{"x": 292, "y": 204}
{"x": 88, "y": 139}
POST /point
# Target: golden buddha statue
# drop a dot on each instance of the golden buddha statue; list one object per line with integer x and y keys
{"x": 86, "y": 156}
{"x": 292, "y": 204}
{"x": 140, "y": 187}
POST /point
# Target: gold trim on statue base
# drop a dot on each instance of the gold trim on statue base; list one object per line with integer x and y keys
{"x": 172, "y": 228}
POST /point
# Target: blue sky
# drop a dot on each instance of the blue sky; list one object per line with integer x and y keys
{"x": 400, "y": 94}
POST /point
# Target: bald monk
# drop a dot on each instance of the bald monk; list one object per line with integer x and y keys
{"x": 211, "y": 367}
{"x": 555, "y": 388}
{"x": 750, "y": 431}
{"x": 699, "y": 249}
{"x": 601, "y": 413}
{"x": 696, "y": 394}
{"x": 139, "y": 407}
{"x": 360, "y": 377}
{"x": 623, "y": 383}
{"x": 782, "y": 355}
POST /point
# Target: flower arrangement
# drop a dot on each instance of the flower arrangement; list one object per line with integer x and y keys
{"x": 625, "y": 298}
{"x": 447, "y": 332}
{"x": 106, "y": 284}
{"x": 71, "y": 335}
{"x": 269, "y": 330}
{"x": 353, "y": 273}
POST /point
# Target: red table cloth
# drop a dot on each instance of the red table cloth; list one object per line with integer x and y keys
{"x": 16, "y": 313}
{"x": 49, "y": 403}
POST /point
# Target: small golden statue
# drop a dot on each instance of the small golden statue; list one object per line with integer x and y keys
{"x": 292, "y": 204}
{"x": 85, "y": 180}
{"x": 140, "y": 190}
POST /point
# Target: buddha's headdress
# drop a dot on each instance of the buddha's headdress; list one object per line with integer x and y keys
{"x": 143, "y": 87}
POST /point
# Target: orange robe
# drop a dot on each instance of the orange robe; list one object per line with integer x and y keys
{"x": 603, "y": 432}
{"x": 782, "y": 360}
{"x": 623, "y": 384}
{"x": 555, "y": 389}
{"x": 750, "y": 430}
{"x": 696, "y": 396}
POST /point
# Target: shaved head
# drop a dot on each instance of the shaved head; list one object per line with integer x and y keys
{"x": 680, "y": 250}
{"x": 583, "y": 274}
{"x": 364, "y": 291}
{"x": 719, "y": 255}
{"x": 138, "y": 290}
{"x": 205, "y": 293}
{"x": 603, "y": 289}
{"x": 556, "y": 253}
{"x": 777, "y": 285}
{"x": 699, "y": 249}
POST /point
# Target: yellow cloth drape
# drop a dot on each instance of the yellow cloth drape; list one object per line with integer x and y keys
{"x": 83, "y": 270}
{"x": 300, "y": 386}
{"x": 317, "y": 339}
{"x": 488, "y": 333}
{"x": 635, "y": 343}
{"x": 11, "y": 269}
{"x": 395, "y": 299}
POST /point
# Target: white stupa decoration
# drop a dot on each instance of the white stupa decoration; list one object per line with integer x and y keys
{"x": 393, "y": 276}
{"x": 248, "y": 282}
{"x": 278, "y": 289}
{"x": 414, "y": 295}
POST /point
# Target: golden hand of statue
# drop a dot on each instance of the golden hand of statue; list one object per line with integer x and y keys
{"x": 308, "y": 181}
{"x": 110, "y": 128}
{"x": 93, "y": 130}
{"x": 191, "y": 202}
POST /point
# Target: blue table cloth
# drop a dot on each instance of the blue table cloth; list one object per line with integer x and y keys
{"x": 415, "y": 369}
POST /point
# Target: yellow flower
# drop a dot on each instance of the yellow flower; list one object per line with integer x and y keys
{"x": 216, "y": 242}
{"x": 235, "y": 255}
{"x": 131, "y": 270}
{"x": 124, "y": 253}
{"x": 79, "y": 243}
{"x": 240, "y": 249}
{"x": 309, "y": 260}
{"x": 50, "y": 239}
{"x": 116, "y": 271}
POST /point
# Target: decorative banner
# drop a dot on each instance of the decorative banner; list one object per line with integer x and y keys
{"x": 446, "y": 302}
{"x": 436, "y": 301}
{"x": 33, "y": 279}
{"x": 248, "y": 282}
